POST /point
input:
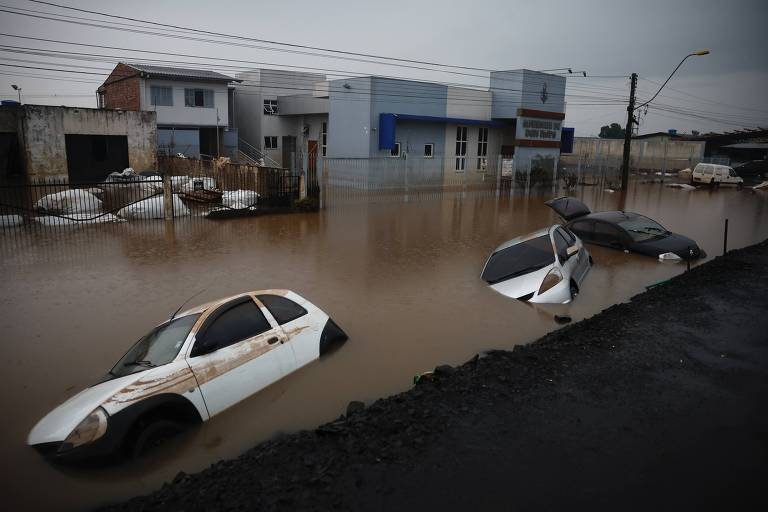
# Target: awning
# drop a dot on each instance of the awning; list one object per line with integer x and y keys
{"x": 388, "y": 123}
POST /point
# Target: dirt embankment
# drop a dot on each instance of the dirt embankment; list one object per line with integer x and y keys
{"x": 658, "y": 403}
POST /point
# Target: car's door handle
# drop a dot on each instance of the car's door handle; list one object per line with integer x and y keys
{"x": 273, "y": 340}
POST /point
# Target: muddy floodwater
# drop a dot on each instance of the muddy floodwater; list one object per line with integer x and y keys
{"x": 402, "y": 278}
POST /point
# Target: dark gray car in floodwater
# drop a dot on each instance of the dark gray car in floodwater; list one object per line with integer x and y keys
{"x": 623, "y": 230}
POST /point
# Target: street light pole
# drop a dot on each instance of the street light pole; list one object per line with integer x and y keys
{"x": 18, "y": 90}
{"x": 631, "y": 117}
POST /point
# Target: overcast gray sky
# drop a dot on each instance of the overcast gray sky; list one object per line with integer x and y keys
{"x": 722, "y": 91}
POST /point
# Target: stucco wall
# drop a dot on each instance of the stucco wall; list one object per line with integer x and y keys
{"x": 45, "y": 128}
{"x": 523, "y": 88}
{"x": 181, "y": 115}
{"x": 349, "y": 118}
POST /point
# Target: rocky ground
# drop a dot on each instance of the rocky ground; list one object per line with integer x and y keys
{"x": 659, "y": 403}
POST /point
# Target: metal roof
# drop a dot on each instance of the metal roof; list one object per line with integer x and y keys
{"x": 201, "y": 75}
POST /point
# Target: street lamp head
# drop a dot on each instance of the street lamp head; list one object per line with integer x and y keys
{"x": 702, "y": 52}
{"x": 15, "y": 87}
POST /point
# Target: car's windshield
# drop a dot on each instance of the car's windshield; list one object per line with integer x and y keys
{"x": 157, "y": 348}
{"x": 642, "y": 228}
{"x": 519, "y": 259}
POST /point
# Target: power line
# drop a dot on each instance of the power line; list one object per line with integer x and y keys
{"x": 80, "y": 56}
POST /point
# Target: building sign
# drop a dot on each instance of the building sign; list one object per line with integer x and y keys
{"x": 538, "y": 129}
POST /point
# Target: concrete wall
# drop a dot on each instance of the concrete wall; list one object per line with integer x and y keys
{"x": 181, "y": 115}
{"x": 650, "y": 151}
{"x": 389, "y": 96}
{"x": 260, "y": 84}
{"x": 45, "y": 127}
{"x": 349, "y": 118}
{"x": 468, "y": 103}
{"x": 523, "y": 88}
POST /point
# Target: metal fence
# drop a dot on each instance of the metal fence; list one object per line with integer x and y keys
{"x": 192, "y": 189}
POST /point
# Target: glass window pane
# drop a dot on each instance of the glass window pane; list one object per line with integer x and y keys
{"x": 284, "y": 310}
{"x": 236, "y": 324}
{"x": 519, "y": 259}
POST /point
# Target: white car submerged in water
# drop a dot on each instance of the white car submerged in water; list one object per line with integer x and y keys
{"x": 546, "y": 266}
{"x": 187, "y": 370}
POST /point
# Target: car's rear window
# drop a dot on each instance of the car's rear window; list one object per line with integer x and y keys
{"x": 642, "y": 228}
{"x": 284, "y": 310}
{"x": 519, "y": 259}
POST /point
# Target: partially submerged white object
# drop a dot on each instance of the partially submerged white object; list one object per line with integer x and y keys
{"x": 8, "y": 221}
{"x": 70, "y": 201}
{"x": 188, "y": 369}
{"x": 152, "y": 208}
{"x": 761, "y": 185}
{"x": 239, "y": 198}
{"x": 669, "y": 256}
{"x": 77, "y": 219}
{"x": 683, "y": 186}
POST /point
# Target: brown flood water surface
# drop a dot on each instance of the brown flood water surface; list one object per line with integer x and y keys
{"x": 401, "y": 278}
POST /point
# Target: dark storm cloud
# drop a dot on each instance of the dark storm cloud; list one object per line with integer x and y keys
{"x": 601, "y": 37}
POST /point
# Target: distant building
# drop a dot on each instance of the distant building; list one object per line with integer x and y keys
{"x": 193, "y": 107}
{"x": 435, "y": 127}
{"x": 79, "y": 144}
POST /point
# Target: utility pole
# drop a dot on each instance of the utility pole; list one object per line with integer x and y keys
{"x": 628, "y": 133}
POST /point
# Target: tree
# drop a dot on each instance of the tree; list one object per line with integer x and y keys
{"x": 614, "y": 131}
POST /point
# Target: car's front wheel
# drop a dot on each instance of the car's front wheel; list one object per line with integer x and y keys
{"x": 153, "y": 435}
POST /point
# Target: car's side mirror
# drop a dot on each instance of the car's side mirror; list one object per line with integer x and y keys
{"x": 571, "y": 251}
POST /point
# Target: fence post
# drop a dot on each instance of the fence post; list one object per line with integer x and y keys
{"x": 498, "y": 176}
{"x": 578, "y": 171}
{"x": 167, "y": 197}
{"x": 323, "y": 183}
{"x": 302, "y": 186}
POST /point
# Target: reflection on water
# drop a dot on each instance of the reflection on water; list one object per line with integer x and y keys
{"x": 401, "y": 278}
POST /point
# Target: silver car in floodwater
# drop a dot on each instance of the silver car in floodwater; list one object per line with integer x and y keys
{"x": 547, "y": 266}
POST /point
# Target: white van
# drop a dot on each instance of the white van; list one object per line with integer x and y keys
{"x": 712, "y": 174}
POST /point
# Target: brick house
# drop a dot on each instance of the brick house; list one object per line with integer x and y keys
{"x": 193, "y": 106}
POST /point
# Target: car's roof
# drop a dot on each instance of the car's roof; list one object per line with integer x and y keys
{"x": 613, "y": 217}
{"x": 524, "y": 238}
{"x": 208, "y": 305}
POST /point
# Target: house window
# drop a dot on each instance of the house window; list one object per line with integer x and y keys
{"x": 395, "y": 151}
{"x": 270, "y": 142}
{"x": 429, "y": 150}
{"x": 161, "y": 96}
{"x": 324, "y": 138}
{"x": 270, "y": 107}
{"x": 482, "y": 149}
{"x": 198, "y": 98}
{"x": 102, "y": 103}
{"x": 461, "y": 147}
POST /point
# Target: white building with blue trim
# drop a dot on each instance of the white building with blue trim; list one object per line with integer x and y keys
{"x": 437, "y": 128}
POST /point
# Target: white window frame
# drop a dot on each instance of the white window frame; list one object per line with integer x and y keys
{"x": 268, "y": 139}
{"x": 461, "y": 148}
{"x": 395, "y": 151}
{"x": 482, "y": 148}
{"x": 271, "y": 108}
{"x": 153, "y": 95}
{"x": 207, "y": 94}
{"x": 324, "y": 138}
{"x": 431, "y": 147}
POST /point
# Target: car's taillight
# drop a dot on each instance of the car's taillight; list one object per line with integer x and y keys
{"x": 552, "y": 278}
